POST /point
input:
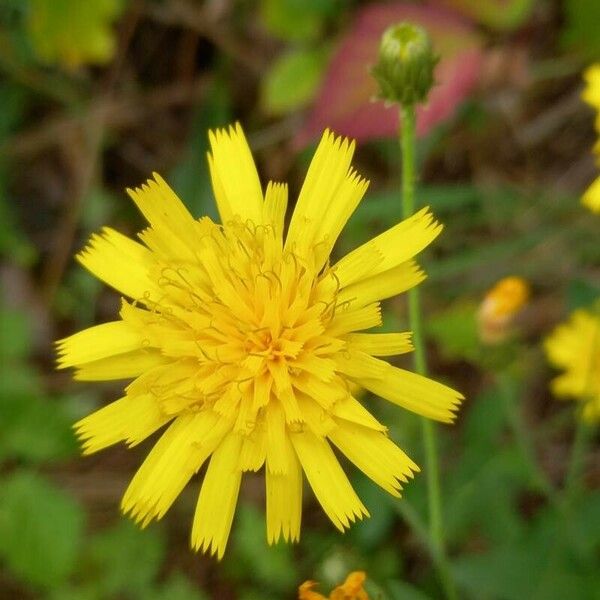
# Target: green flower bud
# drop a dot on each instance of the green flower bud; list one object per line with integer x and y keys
{"x": 406, "y": 62}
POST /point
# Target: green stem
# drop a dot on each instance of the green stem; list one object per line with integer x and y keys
{"x": 436, "y": 528}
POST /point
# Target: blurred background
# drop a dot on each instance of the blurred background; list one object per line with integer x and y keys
{"x": 96, "y": 95}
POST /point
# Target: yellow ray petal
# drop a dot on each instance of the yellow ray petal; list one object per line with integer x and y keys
{"x": 383, "y": 285}
{"x": 415, "y": 393}
{"x": 276, "y": 199}
{"x": 348, "y": 319}
{"x": 329, "y": 168}
{"x": 121, "y": 263}
{"x": 254, "y": 448}
{"x": 380, "y": 344}
{"x": 396, "y": 245}
{"x": 95, "y": 343}
{"x": 318, "y": 419}
{"x": 328, "y": 480}
{"x": 177, "y": 455}
{"x": 336, "y": 213}
{"x": 121, "y": 366}
{"x": 357, "y": 364}
{"x": 174, "y": 230}
{"x": 235, "y": 181}
{"x": 284, "y": 499}
{"x": 218, "y": 498}
{"x": 564, "y": 346}
{"x": 374, "y": 454}
{"x": 276, "y": 438}
{"x": 352, "y": 410}
{"x": 325, "y": 393}
{"x": 130, "y": 419}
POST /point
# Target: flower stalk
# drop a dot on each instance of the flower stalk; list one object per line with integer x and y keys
{"x": 434, "y": 496}
{"x": 405, "y": 74}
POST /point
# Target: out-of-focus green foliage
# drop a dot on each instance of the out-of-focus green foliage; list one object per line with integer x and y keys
{"x": 293, "y": 80}
{"x": 268, "y": 568}
{"x": 41, "y": 529}
{"x": 129, "y": 559}
{"x": 297, "y": 20}
{"x": 33, "y": 427}
{"x": 71, "y": 33}
{"x": 581, "y": 27}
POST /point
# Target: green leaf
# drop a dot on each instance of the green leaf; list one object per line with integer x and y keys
{"x": 296, "y": 20}
{"x": 41, "y": 529}
{"x": 34, "y": 428}
{"x": 72, "y": 33}
{"x": 15, "y": 335}
{"x": 293, "y": 80}
{"x": 581, "y": 27}
{"x": 127, "y": 557}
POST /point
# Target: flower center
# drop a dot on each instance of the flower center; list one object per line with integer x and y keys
{"x": 248, "y": 320}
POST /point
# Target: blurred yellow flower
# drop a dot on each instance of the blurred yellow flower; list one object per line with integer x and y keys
{"x": 245, "y": 342}
{"x": 351, "y": 589}
{"x": 591, "y": 95}
{"x": 500, "y": 307}
{"x": 575, "y": 347}
{"x": 591, "y": 197}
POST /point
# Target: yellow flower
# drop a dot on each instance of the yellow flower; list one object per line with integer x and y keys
{"x": 499, "y": 308}
{"x": 351, "y": 589}
{"x": 591, "y": 93}
{"x": 575, "y": 347}
{"x": 591, "y": 198}
{"x": 245, "y": 342}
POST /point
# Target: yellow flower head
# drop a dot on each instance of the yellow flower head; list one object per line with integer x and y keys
{"x": 244, "y": 342}
{"x": 575, "y": 347}
{"x": 591, "y": 93}
{"x": 591, "y": 197}
{"x": 500, "y": 307}
{"x": 351, "y": 589}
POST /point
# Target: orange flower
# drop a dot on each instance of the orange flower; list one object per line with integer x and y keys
{"x": 351, "y": 589}
{"x": 500, "y": 307}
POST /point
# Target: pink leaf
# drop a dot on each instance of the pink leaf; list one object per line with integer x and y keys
{"x": 345, "y": 100}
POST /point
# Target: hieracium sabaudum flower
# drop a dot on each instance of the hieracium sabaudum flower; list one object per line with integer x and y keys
{"x": 591, "y": 95}
{"x": 574, "y": 346}
{"x": 243, "y": 343}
